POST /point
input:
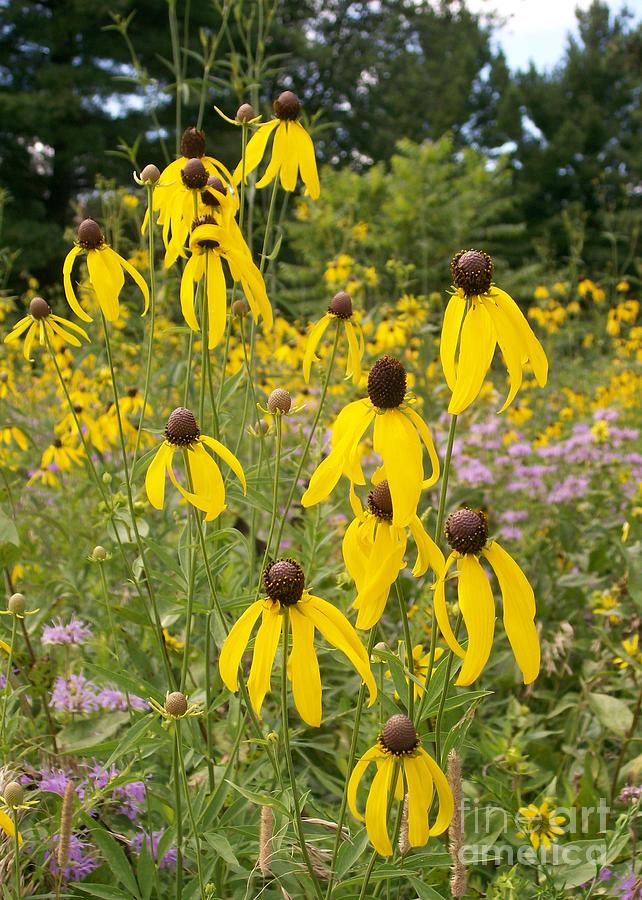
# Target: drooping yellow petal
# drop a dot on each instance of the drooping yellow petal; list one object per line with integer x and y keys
{"x": 279, "y": 150}
{"x": 377, "y": 808}
{"x": 519, "y": 610}
{"x": 478, "y": 610}
{"x": 354, "y": 353}
{"x": 72, "y": 300}
{"x": 511, "y": 345}
{"x": 355, "y": 779}
{"x": 235, "y": 643}
{"x": 155, "y": 477}
{"x": 290, "y": 163}
{"x": 135, "y": 274}
{"x": 307, "y": 161}
{"x": 355, "y": 560}
{"x": 386, "y": 562}
{"x": 66, "y": 324}
{"x": 426, "y": 437}
{"x": 207, "y": 481}
{"x": 267, "y": 640}
{"x": 477, "y": 346}
{"x": 18, "y": 329}
{"x": 536, "y": 353}
{"x": 428, "y": 553}
{"x": 450, "y": 336}
{"x": 441, "y": 611}
{"x": 29, "y": 339}
{"x": 216, "y": 299}
{"x": 228, "y": 457}
{"x": 9, "y": 828}
{"x": 187, "y": 292}
{"x": 105, "y": 282}
{"x": 255, "y": 149}
{"x": 55, "y": 328}
{"x": 397, "y": 443}
{"x": 419, "y": 797}
{"x": 337, "y": 631}
{"x": 304, "y": 669}
{"x": 444, "y": 794}
{"x": 314, "y": 337}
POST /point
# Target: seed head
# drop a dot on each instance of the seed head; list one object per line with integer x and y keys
{"x": 181, "y": 429}
{"x": 240, "y": 308}
{"x": 17, "y": 604}
{"x": 176, "y": 704}
{"x": 279, "y": 401}
{"x": 399, "y": 735}
{"x": 287, "y": 106}
{"x": 341, "y": 305}
{"x": 387, "y": 383}
{"x": 472, "y": 271}
{"x": 14, "y": 794}
{"x": 192, "y": 143}
{"x": 245, "y": 113}
{"x": 150, "y": 174}
{"x": 194, "y": 174}
{"x": 466, "y": 530}
{"x": 90, "y": 237}
{"x": 39, "y": 308}
{"x": 284, "y": 581}
{"x": 99, "y": 553}
{"x": 380, "y": 501}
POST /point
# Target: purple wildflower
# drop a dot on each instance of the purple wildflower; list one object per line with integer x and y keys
{"x": 79, "y": 863}
{"x": 112, "y": 699}
{"x": 169, "y": 859}
{"x": 629, "y": 887}
{"x": 74, "y": 632}
{"x": 630, "y": 794}
{"x": 75, "y": 694}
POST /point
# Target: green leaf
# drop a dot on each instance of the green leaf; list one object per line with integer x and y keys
{"x": 132, "y": 738}
{"x": 351, "y": 851}
{"x": 115, "y": 858}
{"x": 89, "y": 734}
{"x": 222, "y": 846}
{"x": 613, "y": 714}
{"x": 105, "y": 891}
{"x": 261, "y": 799}
{"x": 9, "y": 540}
{"x": 424, "y": 891}
{"x": 145, "y": 871}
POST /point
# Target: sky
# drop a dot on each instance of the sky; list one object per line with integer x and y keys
{"x": 536, "y": 29}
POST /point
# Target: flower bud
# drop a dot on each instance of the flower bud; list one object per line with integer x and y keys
{"x": 245, "y": 113}
{"x": 99, "y": 553}
{"x": 17, "y": 604}
{"x": 240, "y": 308}
{"x": 150, "y": 174}
{"x": 39, "y": 308}
{"x": 279, "y": 401}
{"x": 14, "y": 794}
{"x": 176, "y": 704}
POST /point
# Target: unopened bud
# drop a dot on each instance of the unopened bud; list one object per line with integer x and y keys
{"x": 240, "y": 308}
{"x": 17, "y": 604}
{"x": 176, "y": 704}
{"x": 245, "y": 113}
{"x": 99, "y": 553}
{"x": 14, "y": 794}
{"x": 39, "y": 308}
{"x": 279, "y": 401}
{"x": 150, "y": 174}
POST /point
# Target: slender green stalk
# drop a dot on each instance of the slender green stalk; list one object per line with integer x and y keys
{"x": 190, "y": 809}
{"x": 178, "y": 72}
{"x": 7, "y": 685}
{"x": 152, "y": 316}
{"x": 16, "y": 853}
{"x": 306, "y": 448}
{"x": 298, "y": 824}
{"x": 439, "y": 524}
{"x": 112, "y": 627}
{"x": 352, "y": 755}
{"x": 179, "y": 821}
{"x": 403, "y": 611}
{"x": 268, "y": 226}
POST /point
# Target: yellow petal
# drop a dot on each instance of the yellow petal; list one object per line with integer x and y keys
{"x": 255, "y": 149}
{"x": 428, "y": 553}
{"x": 55, "y": 328}
{"x": 267, "y": 640}
{"x": 279, "y": 149}
{"x": 419, "y": 797}
{"x": 478, "y": 610}
{"x": 304, "y": 668}
{"x": 475, "y": 354}
{"x": 337, "y": 631}
{"x": 444, "y": 795}
{"x": 397, "y": 443}
{"x": 290, "y": 163}
{"x": 155, "y": 477}
{"x": 535, "y": 350}
{"x": 519, "y": 610}
{"x": 29, "y": 339}
{"x": 450, "y": 336}
{"x": 441, "y": 611}
{"x": 377, "y": 808}
{"x": 105, "y": 282}
{"x": 314, "y": 337}
{"x": 355, "y": 779}
{"x": 307, "y": 161}
{"x": 386, "y": 562}
{"x": 354, "y": 353}
{"x": 135, "y": 274}
{"x": 69, "y": 291}
{"x": 18, "y": 329}
{"x": 207, "y": 480}
{"x": 228, "y": 457}
{"x": 355, "y": 560}
{"x": 426, "y": 437}
{"x": 511, "y": 345}
{"x": 187, "y": 293}
{"x": 216, "y": 299}
{"x": 8, "y": 827}
{"x": 235, "y": 643}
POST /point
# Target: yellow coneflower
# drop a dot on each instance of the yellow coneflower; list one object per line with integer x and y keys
{"x": 467, "y": 533}
{"x": 398, "y": 434}
{"x": 292, "y": 150}
{"x": 40, "y": 322}
{"x": 207, "y": 491}
{"x": 210, "y": 244}
{"x": 478, "y": 317}
{"x": 540, "y": 824}
{"x": 340, "y": 309}
{"x": 105, "y": 268}
{"x": 374, "y": 549}
{"x": 398, "y": 753}
{"x": 61, "y": 454}
{"x": 284, "y": 582}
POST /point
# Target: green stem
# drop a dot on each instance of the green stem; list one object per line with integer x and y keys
{"x": 179, "y": 823}
{"x": 298, "y": 824}
{"x": 403, "y": 610}
{"x": 16, "y": 853}
{"x": 306, "y": 448}
{"x": 7, "y": 685}
{"x": 152, "y": 316}
{"x": 439, "y": 524}
{"x": 190, "y": 809}
{"x": 176, "y": 59}
{"x": 268, "y": 226}
{"x": 352, "y": 755}
{"x": 112, "y": 628}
